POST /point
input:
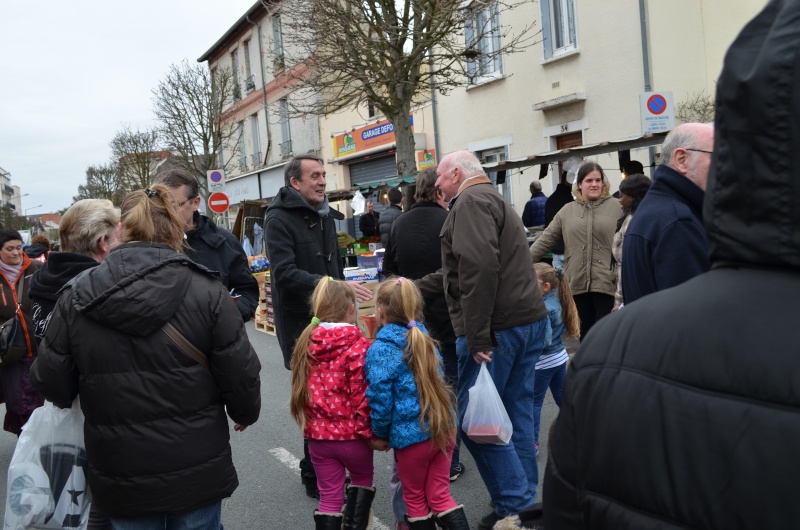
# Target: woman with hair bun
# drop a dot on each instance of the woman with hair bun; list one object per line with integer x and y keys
{"x": 145, "y": 394}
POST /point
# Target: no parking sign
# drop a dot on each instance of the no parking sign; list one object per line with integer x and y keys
{"x": 216, "y": 179}
{"x": 658, "y": 111}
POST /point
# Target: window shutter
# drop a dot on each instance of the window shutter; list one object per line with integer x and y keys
{"x": 469, "y": 38}
{"x": 496, "y": 45}
{"x": 547, "y": 39}
{"x": 571, "y": 21}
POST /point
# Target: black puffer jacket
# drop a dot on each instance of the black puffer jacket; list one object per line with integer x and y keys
{"x": 217, "y": 249}
{"x": 681, "y": 409}
{"x": 302, "y": 248}
{"x": 156, "y": 430}
{"x": 385, "y": 222}
{"x": 415, "y": 250}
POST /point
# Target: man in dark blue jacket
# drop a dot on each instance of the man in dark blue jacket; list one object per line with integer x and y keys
{"x": 665, "y": 244}
{"x": 533, "y": 214}
{"x": 209, "y": 245}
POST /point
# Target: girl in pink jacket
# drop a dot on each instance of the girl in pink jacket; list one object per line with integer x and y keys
{"x": 329, "y": 403}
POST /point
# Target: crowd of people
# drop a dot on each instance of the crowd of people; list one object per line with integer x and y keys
{"x": 677, "y": 411}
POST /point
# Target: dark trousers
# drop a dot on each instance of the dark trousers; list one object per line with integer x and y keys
{"x": 450, "y": 362}
{"x": 307, "y": 473}
{"x": 591, "y": 308}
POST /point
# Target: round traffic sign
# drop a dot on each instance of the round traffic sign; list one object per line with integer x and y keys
{"x": 218, "y": 202}
{"x": 656, "y": 104}
{"x": 216, "y": 176}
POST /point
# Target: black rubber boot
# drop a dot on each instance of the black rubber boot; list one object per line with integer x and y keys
{"x": 357, "y": 507}
{"x": 454, "y": 519}
{"x": 422, "y": 523}
{"x": 328, "y": 521}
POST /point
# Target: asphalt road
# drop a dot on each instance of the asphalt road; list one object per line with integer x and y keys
{"x": 270, "y": 495}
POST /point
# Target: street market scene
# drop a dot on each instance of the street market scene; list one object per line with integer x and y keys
{"x": 496, "y": 264}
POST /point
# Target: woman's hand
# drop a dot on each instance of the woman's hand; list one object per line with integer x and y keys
{"x": 238, "y": 427}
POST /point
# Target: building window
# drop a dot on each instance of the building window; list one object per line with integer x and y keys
{"x": 277, "y": 42}
{"x": 237, "y": 89}
{"x": 370, "y": 110}
{"x": 250, "y": 79}
{"x": 286, "y": 132}
{"x": 558, "y": 27}
{"x": 256, "y": 140}
{"x": 482, "y": 34}
{"x": 242, "y": 147}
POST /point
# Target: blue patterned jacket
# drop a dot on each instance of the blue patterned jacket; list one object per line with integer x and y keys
{"x": 392, "y": 393}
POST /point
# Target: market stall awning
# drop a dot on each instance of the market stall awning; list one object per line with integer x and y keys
{"x": 611, "y": 146}
{"x": 389, "y": 182}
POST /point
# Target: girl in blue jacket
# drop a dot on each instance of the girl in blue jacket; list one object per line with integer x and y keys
{"x": 551, "y": 368}
{"x": 412, "y": 407}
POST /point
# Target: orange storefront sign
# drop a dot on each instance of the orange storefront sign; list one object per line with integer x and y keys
{"x": 363, "y": 138}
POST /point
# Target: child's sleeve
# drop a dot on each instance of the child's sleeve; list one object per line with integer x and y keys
{"x": 357, "y": 380}
{"x": 548, "y": 330}
{"x": 379, "y": 389}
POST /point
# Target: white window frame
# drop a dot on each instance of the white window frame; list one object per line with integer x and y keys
{"x": 483, "y": 35}
{"x": 559, "y": 27}
{"x": 286, "y": 130}
{"x": 498, "y": 154}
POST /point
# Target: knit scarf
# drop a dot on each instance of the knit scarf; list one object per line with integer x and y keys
{"x": 10, "y": 271}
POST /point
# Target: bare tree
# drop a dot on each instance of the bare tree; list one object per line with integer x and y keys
{"x": 102, "y": 182}
{"x": 391, "y": 53}
{"x": 696, "y": 108}
{"x": 190, "y": 105}
{"x": 136, "y": 154}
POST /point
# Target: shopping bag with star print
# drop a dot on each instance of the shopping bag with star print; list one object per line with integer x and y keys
{"x": 46, "y": 485}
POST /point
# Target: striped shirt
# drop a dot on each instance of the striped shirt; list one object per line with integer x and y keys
{"x": 552, "y": 360}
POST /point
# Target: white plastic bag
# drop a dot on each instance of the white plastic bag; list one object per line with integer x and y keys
{"x": 46, "y": 485}
{"x": 358, "y": 204}
{"x": 486, "y": 420}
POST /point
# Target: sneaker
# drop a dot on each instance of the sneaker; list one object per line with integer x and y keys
{"x": 488, "y": 522}
{"x": 537, "y": 448}
{"x": 456, "y": 471}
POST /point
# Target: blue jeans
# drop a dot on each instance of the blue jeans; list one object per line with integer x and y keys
{"x": 206, "y": 518}
{"x": 510, "y": 471}
{"x": 554, "y": 379}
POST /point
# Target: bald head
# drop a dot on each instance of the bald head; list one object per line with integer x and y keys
{"x": 454, "y": 169}
{"x": 687, "y": 150}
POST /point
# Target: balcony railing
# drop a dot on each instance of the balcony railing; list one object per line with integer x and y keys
{"x": 237, "y": 92}
{"x": 278, "y": 63}
{"x": 8, "y": 189}
{"x": 250, "y": 83}
{"x": 286, "y": 148}
{"x": 256, "y": 157}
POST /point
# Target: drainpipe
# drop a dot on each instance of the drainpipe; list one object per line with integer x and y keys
{"x": 264, "y": 95}
{"x": 646, "y": 68}
{"x": 433, "y": 108}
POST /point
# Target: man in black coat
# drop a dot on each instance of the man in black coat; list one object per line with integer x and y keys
{"x": 210, "y": 245}
{"x": 300, "y": 234}
{"x": 561, "y": 195}
{"x": 368, "y": 223}
{"x": 391, "y": 213}
{"x": 679, "y": 409}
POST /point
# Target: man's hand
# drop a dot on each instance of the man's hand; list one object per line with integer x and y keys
{"x": 378, "y": 444}
{"x": 239, "y": 428}
{"x": 362, "y": 293}
{"x": 482, "y": 356}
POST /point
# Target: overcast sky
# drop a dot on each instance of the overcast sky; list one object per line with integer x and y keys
{"x": 72, "y": 73}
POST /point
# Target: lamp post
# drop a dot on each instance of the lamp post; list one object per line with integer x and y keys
{"x": 27, "y": 220}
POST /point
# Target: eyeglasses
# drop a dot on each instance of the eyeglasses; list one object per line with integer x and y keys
{"x": 698, "y": 150}
{"x": 180, "y": 204}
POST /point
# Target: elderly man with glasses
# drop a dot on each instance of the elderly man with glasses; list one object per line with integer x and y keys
{"x": 665, "y": 244}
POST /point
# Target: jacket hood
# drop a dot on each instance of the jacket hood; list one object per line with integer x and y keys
{"x": 136, "y": 289}
{"x": 750, "y": 207}
{"x": 605, "y": 194}
{"x": 330, "y": 341}
{"x": 59, "y": 269}
{"x": 36, "y": 250}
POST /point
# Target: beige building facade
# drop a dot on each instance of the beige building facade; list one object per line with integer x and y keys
{"x": 580, "y": 84}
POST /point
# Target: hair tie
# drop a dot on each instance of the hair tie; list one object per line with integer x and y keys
{"x": 559, "y": 274}
{"x": 150, "y": 193}
{"x": 399, "y": 281}
{"x": 315, "y": 321}
{"x": 412, "y": 324}
{"x": 330, "y": 279}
